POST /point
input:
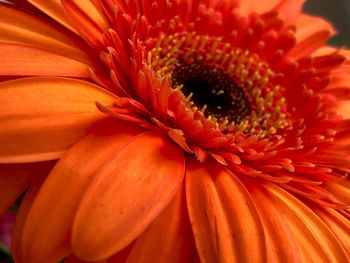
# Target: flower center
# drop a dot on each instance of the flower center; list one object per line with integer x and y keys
{"x": 230, "y": 86}
{"x": 212, "y": 90}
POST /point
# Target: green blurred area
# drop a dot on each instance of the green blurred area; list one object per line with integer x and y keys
{"x": 5, "y": 255}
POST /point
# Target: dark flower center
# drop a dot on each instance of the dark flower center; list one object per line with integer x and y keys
{"x": 212, "y": 90}
{"x": 233, "y": 89}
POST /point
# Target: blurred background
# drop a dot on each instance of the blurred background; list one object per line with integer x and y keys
{"x": 337, "y": 12}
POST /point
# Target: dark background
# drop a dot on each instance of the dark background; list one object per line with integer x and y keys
{"x": 336, "y": 11}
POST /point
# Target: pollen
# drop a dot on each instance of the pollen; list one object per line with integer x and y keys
{"x": 212, "y": 90}
{"x": 227, "y": 85}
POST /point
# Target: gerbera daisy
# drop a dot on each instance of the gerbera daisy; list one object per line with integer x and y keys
{"x": 174, "y": 131}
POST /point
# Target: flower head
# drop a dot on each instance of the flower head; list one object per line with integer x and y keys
{"x": 211, "y": 131}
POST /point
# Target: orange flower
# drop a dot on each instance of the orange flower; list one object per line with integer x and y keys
{"x": 174, "y": 131}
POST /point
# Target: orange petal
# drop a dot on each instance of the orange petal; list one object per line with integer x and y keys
{"x": 21, "y": 219}
{"x": 126, "y": 196}
{"x": 15, "y": 178}
{"x": 20, "y": 4}
{"x": 340, "y": 190}
{"x": 344, "y": 108}
{"x": 41, "y": 117}
{"x": 338, "y": 224}
{"x": 315, "y": 240}
{"x": 247, "y": 7}
{"x": 280, "y": 242}
{"x": 30, "y": 61}
{"x": 169, "y": 235}
{"x": 309, "y": 25}
{"x": 325, "y": 51}
{"x": 290, "y": 10}
{"x": 73, "y": 259}
{"x": 24, "y": 28}
{"x": 309, "y": 45}
{"x": 87, "y": 20}
{"x": 312, "y": 33}
{"x": 119, "y": 257}
{"x": 53, "y": 8}
{"x": 225, "y": 223}
{"x": 89, "y": 8}
{"x": 52, "y": 213}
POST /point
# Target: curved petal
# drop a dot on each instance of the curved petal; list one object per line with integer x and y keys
{"x": 344, "y": 108}
{"x": 337, "y": 223}
{"x": 24, "y": 28}
{"x": 51, "y": 218}
{"x": 340, "y": 190}
{"x": 290, "y": 10}
{"x": 21, "y": 219}
{"x": 41, "y": 117}
{"x": 53, "y": 8}
{"x": 315, "y": 240}
{"x": 119, "y": 257}
{"x": 326, "y": 50}
{"x": 87, "y": 20}
{"x": 126, "y": 196}
{"x": 312, "y": 33}
{"x": 15, "y": 178}
{"x": 281, "y": 245}
{"x": 309, "y": 25}
{"x": 170, "y": 235}
{"x": 22, "y": 4}
{"x": 30, "y": 61}
{"x": 73, "y": 259}
{"x": 225, "y": 223}
{"x": 247, "y": 7}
